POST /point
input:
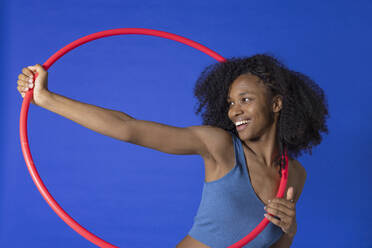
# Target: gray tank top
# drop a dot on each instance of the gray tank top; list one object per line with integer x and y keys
{"x": 230, "y": 209}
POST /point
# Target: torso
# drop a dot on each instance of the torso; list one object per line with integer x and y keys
{"x": 265, "y": 181}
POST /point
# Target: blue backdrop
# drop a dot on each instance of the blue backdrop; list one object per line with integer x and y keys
{"x": 133, "y": 196}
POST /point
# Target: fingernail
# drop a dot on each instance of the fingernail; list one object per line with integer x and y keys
{"x": 30, "y": 85}
{"x": 30, "y": 80}
{"x": 269, "y": 200}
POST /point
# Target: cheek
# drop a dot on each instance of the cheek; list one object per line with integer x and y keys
{"x": 265, "y": 116}
{"x": 229, "y": 115}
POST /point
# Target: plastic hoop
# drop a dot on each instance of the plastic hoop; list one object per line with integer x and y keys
{"x": 26, "y": 149}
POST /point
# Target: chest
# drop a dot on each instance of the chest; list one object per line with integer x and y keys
{"x": 264, "y": 181}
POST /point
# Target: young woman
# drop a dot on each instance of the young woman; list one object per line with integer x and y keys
{"x": 254, "y": 108}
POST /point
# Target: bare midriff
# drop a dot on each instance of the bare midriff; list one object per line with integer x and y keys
{"x": 190, "y": 242}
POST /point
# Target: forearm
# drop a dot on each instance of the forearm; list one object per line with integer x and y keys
{"x": 104, "y": 121}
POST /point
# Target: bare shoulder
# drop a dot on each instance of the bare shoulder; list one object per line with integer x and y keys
{"x": 300, "y": 170}
{"x": 217, "y": 140}
{"x": 300, "y": 178}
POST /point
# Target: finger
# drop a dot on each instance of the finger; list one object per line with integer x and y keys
{"x": 32, "y": 67}
{"x": 272, "y": 219}
{"x": 36, "y": 68}
{"x": 280, "y": 211}
{"x": 283, "y": 202}
{"x": 25, "y": 78}
{"x": 22, "y": 89}
{"x": 287, "y": 203}
{"x": 290, "y": 193}
{"x": 22, "y": 83}
{"x": 27, "y": 72}
{"x": 25, "y": 84}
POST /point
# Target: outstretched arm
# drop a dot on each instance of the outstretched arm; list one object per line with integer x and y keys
{"x": 200, "y": 140}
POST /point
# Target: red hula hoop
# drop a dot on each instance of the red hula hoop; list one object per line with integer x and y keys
{"x": 26, "y": 149}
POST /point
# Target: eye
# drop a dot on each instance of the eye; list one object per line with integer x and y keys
{"x": 244, "y": 100}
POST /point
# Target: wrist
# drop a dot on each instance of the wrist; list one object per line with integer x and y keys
{"x": 291, "y": 235}
{"x": 44, "y": 98}
{"x": 292, "y": 232}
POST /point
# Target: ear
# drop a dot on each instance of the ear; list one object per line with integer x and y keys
{"x": 277, "y": 103}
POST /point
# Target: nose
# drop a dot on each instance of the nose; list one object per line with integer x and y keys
{"x": 236, "y": 110}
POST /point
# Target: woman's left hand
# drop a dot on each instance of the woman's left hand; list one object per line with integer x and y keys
{"x": 285, "y": 210}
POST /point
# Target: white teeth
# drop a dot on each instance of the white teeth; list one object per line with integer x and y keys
{"x": 241, "y": 122}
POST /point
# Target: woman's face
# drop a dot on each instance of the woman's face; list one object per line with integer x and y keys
{"x": 248, "y": 99}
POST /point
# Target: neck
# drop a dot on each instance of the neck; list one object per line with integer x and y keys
{"x": 266, "y": 148}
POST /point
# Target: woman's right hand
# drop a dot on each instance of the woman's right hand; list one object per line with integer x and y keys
{"x": 25, "y": 82}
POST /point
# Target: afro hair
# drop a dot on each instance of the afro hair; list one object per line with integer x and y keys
{"x": 304, "y": 107}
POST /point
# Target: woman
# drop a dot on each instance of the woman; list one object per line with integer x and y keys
{"x": 254, "y": 108}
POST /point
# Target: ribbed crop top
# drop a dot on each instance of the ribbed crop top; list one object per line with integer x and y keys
{"x": 230, "y": 209}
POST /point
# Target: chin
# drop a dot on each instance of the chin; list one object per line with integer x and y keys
{"x": 243, "y": 135}
{"x": 246, "y": 136}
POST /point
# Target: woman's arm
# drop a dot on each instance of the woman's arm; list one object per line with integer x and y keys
{"x": 204, "y": 140}
{"x": 119, "y": 125}
{"x": 101, "y": 120}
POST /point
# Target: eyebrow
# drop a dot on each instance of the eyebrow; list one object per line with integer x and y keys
{"x": 243, "y": 93}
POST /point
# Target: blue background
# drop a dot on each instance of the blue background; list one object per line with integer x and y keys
{"x": 133, "y": 196}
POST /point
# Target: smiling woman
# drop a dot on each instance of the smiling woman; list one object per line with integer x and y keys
{"x": 262, "y": 89}
{"x": 278, "y": 110}
{"x": 257, "y": 107}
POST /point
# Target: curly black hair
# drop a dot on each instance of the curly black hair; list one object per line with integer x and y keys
{"x": 304, "y": 107}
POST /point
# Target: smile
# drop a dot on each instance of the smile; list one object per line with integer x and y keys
{"x": 242, "y": 127}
